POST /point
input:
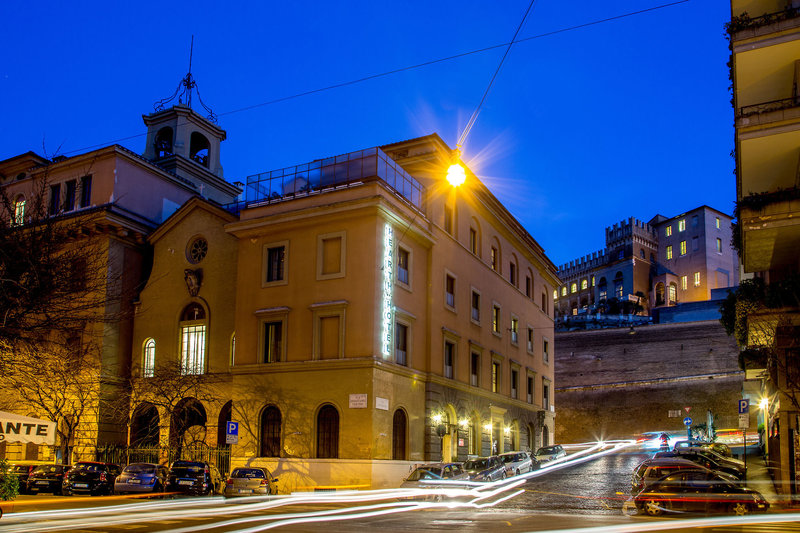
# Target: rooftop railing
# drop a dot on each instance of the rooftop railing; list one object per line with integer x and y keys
{"x": 744, "y": 21}
{"x": 325, "y": 175}
{"x": 766, "y": 107}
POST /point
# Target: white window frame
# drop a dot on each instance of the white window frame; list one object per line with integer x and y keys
{"x": 149, "y": 358}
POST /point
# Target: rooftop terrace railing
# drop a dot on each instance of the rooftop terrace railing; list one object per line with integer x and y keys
{"x": 766, "y": 107}
{"x": 325, "y": 175}
{"x": 744, "y": 21}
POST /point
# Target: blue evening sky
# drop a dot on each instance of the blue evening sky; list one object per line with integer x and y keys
{"x": 581, "y": 129}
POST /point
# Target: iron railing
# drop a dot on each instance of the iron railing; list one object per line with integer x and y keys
{"x": 122, "y": 455}
{"x": 766, "y": 107}
{"x": 324, "y": 175}
{"x": 745, "y": 21}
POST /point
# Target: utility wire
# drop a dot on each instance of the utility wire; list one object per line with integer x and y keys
{"x": 410, "y": 67}
{"x": 474, "y": 116}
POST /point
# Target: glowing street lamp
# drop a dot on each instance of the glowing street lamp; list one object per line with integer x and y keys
{"x": 456, "y": 175}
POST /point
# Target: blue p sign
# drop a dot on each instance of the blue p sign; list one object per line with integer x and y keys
{"x": 744, "y": 406}
{"x": 233, "y": 428}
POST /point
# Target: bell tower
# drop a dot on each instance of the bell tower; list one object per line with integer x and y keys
{"x": 186, "y": 143}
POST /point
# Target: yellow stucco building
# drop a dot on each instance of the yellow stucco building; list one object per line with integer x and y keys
{"x": 353, "y": 315}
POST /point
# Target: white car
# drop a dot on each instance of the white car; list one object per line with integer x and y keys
{"x": 550, "y": 453}
{"x": 517, "y": 463}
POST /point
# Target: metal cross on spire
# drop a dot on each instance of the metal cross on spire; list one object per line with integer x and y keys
{"x": 184, "y": 92}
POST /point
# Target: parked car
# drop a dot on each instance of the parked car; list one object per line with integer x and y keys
{"x": 708, "y": 459}
{"x": 141, "y": 477}
{"x": 651, "y": 470}
{"x": 91, "y": 477}
{"x": 425, "y": 476}
{"x": 718, "y": 447}
{"x": 47, "y": 478}
{"x": 23, "y": 469}
{"x": 250, "y": 480}
{"x": 550, "y": 453}
{"x": 194, "y": 477}
{"x": 698, "y": 491}
{"x": 517, "y": 463}
{"x": 489, "y": 468}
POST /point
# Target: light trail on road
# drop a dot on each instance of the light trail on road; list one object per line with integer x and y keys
{"x": 463, "y": 495}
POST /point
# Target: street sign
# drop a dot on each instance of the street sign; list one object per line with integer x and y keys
{"x": 744, "y": 421}
{"x": 687, "y": 421}
{"x": 687, "y": 409}
{"x": 232, "y": 433}
{"x": 744, "y": 406}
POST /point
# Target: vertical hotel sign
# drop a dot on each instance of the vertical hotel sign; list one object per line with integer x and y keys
{"x": 386, "y": 292}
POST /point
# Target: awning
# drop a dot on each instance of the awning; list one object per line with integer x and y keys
{"x": 18, "y": 428}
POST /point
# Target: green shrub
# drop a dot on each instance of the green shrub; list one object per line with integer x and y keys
{"x": 9, "y": 483}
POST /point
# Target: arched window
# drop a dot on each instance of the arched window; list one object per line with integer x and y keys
{"x": 149, "y": 358}
{"x": 193, "y": 339}
{"x": 271, "y": 432}
{"x": 198, "y": 148}
{"x": 673, "y": 294}
{"x": 19, "y": 211}
{"x": 225, "y": 415}
{"x": 328, "y": 432}
{"x": 660, "y": 294}
{"x": 145, "y": 425}
{"x": 399, "y": 422}
{"x": 163, "y": 143}
{"x": 188, "y": 423}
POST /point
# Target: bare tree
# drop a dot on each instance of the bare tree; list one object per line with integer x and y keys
{"x": 59, "y": 381}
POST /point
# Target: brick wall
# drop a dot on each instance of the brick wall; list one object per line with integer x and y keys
{"x": 614, "y": 383}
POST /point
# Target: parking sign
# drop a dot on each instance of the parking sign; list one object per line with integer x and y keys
{"x": 232, "y": 433}
{"x": 744, "y": 406}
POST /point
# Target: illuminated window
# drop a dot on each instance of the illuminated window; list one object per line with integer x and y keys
{"x": 668, "y": 231}
{"x": 682, "y": 225}
{"x": 564, "y": 290}
{"x": 149, "y": 359}
{"x": 402, "y": 265}
{"x": 719, "y": 245}
{"x": 584, "y": 284}
{"x": 555, "y": 295}
{"x": 592, "y": 281}
{"x": 673, "y": 293}
{"x": 19, "y": 211}
{"x": 449, "y": 359}
{"x": 450, "y": 290}
{"x": 476, "y": 306}
{"x": 669, "y": 252}
{"x": 573, "y": 288}
{"x": 496, "y": 319}
{"x": 495, "y": 376}
{"x": 716, "y": 222}
{"x": 494, "y": 259}
{"x": 514, "y": 330}
{"x": 684, "y": 282}
{"x": 193, "y": 340}
{"x": 697, "y": 279}
{"x": 683, "y": 247}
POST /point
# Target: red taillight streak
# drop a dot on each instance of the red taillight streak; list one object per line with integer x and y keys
{"x": 229, "y": 482}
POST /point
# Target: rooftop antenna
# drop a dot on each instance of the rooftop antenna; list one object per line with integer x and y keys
{"x": 184, "y": 91}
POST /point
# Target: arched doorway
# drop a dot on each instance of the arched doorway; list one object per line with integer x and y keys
{"x": 188, "y": 425}
{"x": 399, "y": 425}
{"x": 450, "y": 438}
{"x": 222, "y": 424}
{"x": 328, "y": 432}
{"x": 271, "y": 422}
{"x": 144, "y": 426}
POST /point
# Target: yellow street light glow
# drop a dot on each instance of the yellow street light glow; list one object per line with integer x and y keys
{"x": 456, "y": 175}
{"x": 464, "y": 423}
{"x": 488, "y": 427}
{"x": 437, "y": 419}
{"x": 764, "y": 403}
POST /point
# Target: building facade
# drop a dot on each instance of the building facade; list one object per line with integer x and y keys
{"x": 353, "y": 315}
{"x": 655, "y": 264}
{"x": 764, "y": 40}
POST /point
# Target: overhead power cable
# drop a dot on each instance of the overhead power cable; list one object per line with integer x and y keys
{"x": 409, "y": 67}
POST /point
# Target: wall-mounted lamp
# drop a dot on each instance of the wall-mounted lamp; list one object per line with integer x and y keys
{"x": 464, "y": 423}
{"x": 507, "y": 430}
{"x": 437, "y": 419}
{"x": 488, "y": 427}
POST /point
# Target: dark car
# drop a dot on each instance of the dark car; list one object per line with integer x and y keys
{"x": 141, "y": 477}
{"x": 698, "y": 491}
{"x": 47, "y": 478}
{"x": 91, "y": 477}
{"x": 651, "y": 470}
{"x": 708, "y": 459}
{"x": 194, "y": 477}
{"x": 485, "y": 468}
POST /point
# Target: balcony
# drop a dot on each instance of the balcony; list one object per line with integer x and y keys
{"x": 766, "y": 112}
{"x": 745, "y": 27}
{"x": 333, "y": 173}
{"x": 770, "y": 226}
